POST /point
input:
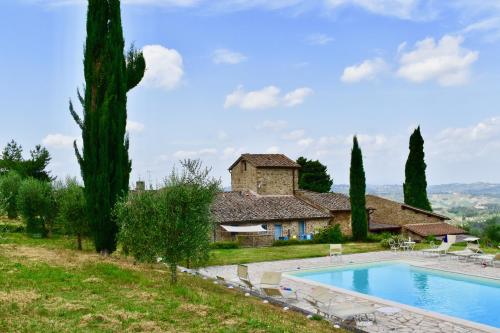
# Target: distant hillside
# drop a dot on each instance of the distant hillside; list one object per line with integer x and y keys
{"x": 396, "y": 191}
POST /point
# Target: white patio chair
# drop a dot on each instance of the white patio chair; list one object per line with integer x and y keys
{"x": 336, "y": 251}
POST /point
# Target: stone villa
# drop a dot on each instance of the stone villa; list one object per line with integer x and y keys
{"x": 266, "y": 204}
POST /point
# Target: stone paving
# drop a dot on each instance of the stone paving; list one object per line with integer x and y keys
{"x": 404, "y": 320}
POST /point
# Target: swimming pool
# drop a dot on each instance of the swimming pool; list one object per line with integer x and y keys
{"x": 457, "y": 295}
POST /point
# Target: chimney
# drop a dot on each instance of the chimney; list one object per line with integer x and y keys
{"x": 140, "y": 185}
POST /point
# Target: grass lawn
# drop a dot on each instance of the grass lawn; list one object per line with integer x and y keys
{"x": 246, "y": 255}
{"x": 46, "y": 286}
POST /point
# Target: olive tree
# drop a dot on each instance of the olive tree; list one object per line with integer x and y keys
{"x": 9, "y": 187}
{"x": 72, "y": 210}
{"x": 37, "y": 206}
{"x": 173, "y": 223}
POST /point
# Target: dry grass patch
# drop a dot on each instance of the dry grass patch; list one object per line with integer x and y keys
{"x": 20, "y": 297}
{"x": 145, "y": 326}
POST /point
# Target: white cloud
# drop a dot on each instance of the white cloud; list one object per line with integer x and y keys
{"x": 194, "y": 153}
{"x": 489, "y": 27}
{"x": 319, "y": 39}
{"x": 134, "y": 126}
{"x": 273, "y": 150}
{"x": 484, "y": 130}
{"x": 294, "y": 135}
{"x": 225, "y": 56}
{"x": 164, "y": 67}
{"x": 403, "y": 9}
{"x": 367, "y": 70}
{"x": 306, "y": 142}
{"x": 273, "y": 125}
{"x": 445, "y": 61}
{"x": 474, "y": 143}
{"x": 297, "y": 96}
{"x": 265, "y": 98}
{"x": 58, "y": 140}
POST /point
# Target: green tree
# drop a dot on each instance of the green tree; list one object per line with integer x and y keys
{"x": 12, "y": 158}
{"x": 174, "y": 223}
{"x": 313, "y": 176}
{"x": 36, "y": 166}
{"x": 415, "y": 185}
{"x": 72, "y": 209}
{"x": 109, "y": 75}
{"x": 9, "y": 187}
{"x": 357, "y": 195}
{"x": 36, "y": 204}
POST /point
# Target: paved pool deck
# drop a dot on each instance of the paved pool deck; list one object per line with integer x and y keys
{"x": 407, "y": 319}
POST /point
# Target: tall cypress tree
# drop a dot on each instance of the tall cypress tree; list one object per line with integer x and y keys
{"x": 357, "y": 190}
{"x": 415, "y": 185}
{"x": 109, "y": 75}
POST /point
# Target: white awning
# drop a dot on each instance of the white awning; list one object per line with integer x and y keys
{"x": 244, "y": 228}
{"x": 470, "y": 239}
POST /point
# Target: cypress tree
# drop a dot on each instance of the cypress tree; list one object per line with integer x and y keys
{"x": 357, "y": 189}
{"x": 415, "y": 185}
{"x": 109, "y": 75}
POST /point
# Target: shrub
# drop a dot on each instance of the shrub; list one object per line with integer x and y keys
{"x": 329, "y": 235}
{"x": 9, "y": 187}
{"x": 292, "y": 242}
{"x": 374, "y": 238}
{"x": 37, "y": 206}
{"x": 430, "y": 238}
{"x": 224, "y": 245}
{"x": 72, "y": 209}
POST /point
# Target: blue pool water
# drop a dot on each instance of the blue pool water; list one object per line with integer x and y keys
{"x": 457, "y": 295}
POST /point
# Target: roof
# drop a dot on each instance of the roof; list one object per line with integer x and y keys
{"x": 267, "y": 161}
{"x": 375, "y": 226}
{"x": 249, "y": 207}
{"x": 370, "y": 200}
{"x": 434, "y": 229}
{"x": 423, "y": 211}
{"x": 331, "y": 201}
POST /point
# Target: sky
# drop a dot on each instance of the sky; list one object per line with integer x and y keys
{"x": 298, "y": 77}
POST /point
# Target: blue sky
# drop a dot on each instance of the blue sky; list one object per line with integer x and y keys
{"x": 298, "y": 77}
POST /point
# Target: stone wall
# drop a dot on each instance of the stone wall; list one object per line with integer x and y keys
{"x": 264, "y": 181}
{"x": 275, "y": 181}
{"x": 344, "y": 219}
{"x": 391, "y": 212}
{"x": 289, "y": 229}
{"x": 244, "y": 178}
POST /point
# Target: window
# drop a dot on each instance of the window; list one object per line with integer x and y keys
{"x": 244, "y": 165}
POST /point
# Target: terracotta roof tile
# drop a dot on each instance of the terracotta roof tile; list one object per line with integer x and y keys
{"x": 331, "y": 201}
{"x": 267, "y": 161}
{"x": 434, "y": 229}
{"x": 246, "y": 206}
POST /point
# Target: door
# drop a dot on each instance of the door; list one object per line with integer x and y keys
{"x": 277, "y": 231}
{"x": 302, "y": 229}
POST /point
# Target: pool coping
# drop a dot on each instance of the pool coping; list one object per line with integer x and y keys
{"x": 432, "y": 314}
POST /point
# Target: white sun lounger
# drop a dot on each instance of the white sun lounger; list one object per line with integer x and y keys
{"x": 321, "y": 300}
{"x": 486, "y": 258}
{"x": 441, "y": 249}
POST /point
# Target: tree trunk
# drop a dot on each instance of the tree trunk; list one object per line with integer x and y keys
{"x": 79, "y": 241}
{"x": 173, "y": 273}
